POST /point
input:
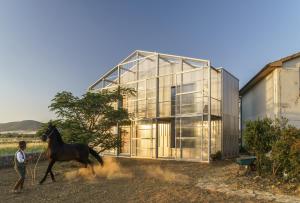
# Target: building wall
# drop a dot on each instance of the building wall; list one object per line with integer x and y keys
{"x": 277, "y": 95}
{"x": 230, "y": 115}
{"x": 187, "y": 126}
{"x": 289, "y": 77}
{"x": 170, "y": 110}
{"x": 261, "y": 100}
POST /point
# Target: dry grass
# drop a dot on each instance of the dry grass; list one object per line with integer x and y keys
{"x": 120, "y": 180}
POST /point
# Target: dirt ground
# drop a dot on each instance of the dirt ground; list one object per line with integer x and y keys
{"x": 120, "y": 180}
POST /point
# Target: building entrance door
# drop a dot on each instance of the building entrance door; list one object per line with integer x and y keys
{"x": 164, "y": 134}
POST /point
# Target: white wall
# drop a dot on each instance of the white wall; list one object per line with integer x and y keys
{"x": 290, "y": 91}
{"x": 260, "y": 101}
{"x": 278, "y": 94}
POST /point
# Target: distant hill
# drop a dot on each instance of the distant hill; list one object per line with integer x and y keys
{"x": 20, "y": 126}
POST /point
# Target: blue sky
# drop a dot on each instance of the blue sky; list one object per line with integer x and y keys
{"x": 49, "y": 46}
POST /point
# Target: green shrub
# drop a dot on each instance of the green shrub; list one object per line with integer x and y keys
{"x": 259, "y": 136}
{"x": 243, "y": 150}
{"x": 285, "y": 153}
{"x": 276, "y": 146}
{"x": 295, "y": 159}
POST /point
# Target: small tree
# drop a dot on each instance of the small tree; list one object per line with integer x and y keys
{"x": 285, "y": 154}
{"x": 295, "y": 159}
{"x": 259, "y": 136}
{"x": 90, "y": 119}
{"x": 281, "y": 141}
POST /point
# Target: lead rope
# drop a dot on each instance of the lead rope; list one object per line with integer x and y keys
{"x": 34, "y": 169}
{"x": 31, "y": 173}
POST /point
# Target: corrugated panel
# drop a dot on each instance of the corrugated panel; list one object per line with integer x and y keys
{"x": 230, "y": 113}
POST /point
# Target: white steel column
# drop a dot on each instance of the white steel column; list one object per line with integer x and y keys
{"x": 180, "y": 106}
{"x": 209, "y": 111}
{"x": 119, "y": 106}
{"x": 157, "y": 107}
{"x": 222, "y": 112}
{"x": 136, "y": 104}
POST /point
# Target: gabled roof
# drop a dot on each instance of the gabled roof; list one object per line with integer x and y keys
{"x": 265, "y": 71}
{"x": 139, "y": 55}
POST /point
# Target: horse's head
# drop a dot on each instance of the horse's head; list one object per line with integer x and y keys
{"x": 49, "y": 132}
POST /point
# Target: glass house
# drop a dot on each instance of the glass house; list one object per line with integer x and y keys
{"x": 183, "y": 109}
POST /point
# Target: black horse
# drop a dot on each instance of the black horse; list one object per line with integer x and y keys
{"x": 59, "y": 151}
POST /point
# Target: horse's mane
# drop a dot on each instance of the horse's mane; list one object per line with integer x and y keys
{"x": 58, "y": 136}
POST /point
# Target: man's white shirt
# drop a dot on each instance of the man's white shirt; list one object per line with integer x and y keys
{"x": 20, "y": 155}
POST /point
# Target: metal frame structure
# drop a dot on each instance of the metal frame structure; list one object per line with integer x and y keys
{"x": 172, "y": 110}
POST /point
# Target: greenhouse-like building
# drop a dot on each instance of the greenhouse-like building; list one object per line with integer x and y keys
{"x": 183, "y": 107}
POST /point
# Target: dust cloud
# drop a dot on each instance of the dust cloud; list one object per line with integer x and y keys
{"x": 166, "y": 174}
{"x": 111, "y": 170}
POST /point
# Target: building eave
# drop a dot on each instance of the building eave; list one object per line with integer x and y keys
{"x": 267, "y": 69}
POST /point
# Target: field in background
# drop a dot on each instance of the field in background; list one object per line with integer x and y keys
{"x": 9, "y": 146}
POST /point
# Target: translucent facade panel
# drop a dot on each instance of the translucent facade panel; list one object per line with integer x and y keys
{"x": 165, "y": 87}
{"x": 230, "y": 109}
{"x": 166, "y": 81}
{"x": 192, "y": 91}
{"x": 130, "y": 101}
{"x": 168, "y": 65}
{"x": 215, "y": 84}
{"x": 151, "y": 88}
{"x": 128, "y": 75}
{"x": 215, "y": 107}
{"x": 216, "y": 136}
{"x": 196, "y": 63}
{"x": 130, "y": 58}
{"x": 165, "y": 109}
{"x": 151, "y": 108}
{"x": 192, "y": 138}
{"x": 204, "y": 141}
{"x": 143, "y": 142}
{"x": 141, "y": 108}
{"x": 165, "y": 94}
{"x": 111, "y": 79}
{"x": 190, "y": 127}
{"x": 192, "y": 81}
{"x": 192, "y": 99}
{"x": 98, "y": 85}
{"x": 190, "y": 103}
{"x": 141, "y": 89}
{"x": 187, "y": 66}
{"x": 147, "y": 68}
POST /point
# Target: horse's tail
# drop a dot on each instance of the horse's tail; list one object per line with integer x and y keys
{"x": 96, "y": 155}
